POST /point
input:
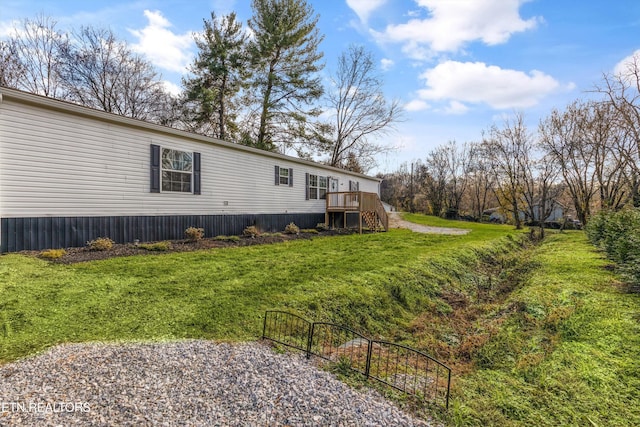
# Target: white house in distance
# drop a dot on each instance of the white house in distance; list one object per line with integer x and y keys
{"x": 70, "y": 174}
{"x": 557, "y": 213}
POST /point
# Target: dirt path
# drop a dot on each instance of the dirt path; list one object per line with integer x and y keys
{"x": 395, "y": 221}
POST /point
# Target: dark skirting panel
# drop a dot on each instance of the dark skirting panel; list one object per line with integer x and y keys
{"x": 20, "y": 234}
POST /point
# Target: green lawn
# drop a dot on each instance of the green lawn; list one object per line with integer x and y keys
{"x": 542, "y": 336}
{"x": 218, "y": 294}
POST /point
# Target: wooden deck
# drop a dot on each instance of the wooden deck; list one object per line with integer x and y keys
{"x": 368, "y": 206}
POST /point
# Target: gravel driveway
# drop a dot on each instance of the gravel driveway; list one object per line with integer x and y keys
{"x": 186, "y": 383}
{"x": 395, "y": 221}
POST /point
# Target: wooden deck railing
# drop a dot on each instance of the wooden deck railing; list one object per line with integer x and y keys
{"x": 361, "y": 202}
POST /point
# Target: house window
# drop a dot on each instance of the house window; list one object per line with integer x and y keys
{"x": 177, "y": 170}
{"x": 317, "y": 187}
{"x": 284, "y": 176}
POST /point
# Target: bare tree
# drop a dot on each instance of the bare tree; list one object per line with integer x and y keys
{"x": 30, "y": 57}
{"x": 360, "y": 110}
{"x": 394, "y": 188}
{"x": 622, "y": 90}
{"x": 436, "y": 177}
{"x": 540, "y": 190}
{"x": 481, "y": 179}
{"x": 612, "y": 161}
{"x": 458, "y": 165}
{"x": 101, "y": 72}
{"x": 10, "y": 68}
{"x": 506, "y": 146}
{"x": 582, "y": 140}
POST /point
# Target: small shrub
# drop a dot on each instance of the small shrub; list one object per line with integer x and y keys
{"x": 618, "y": 234}
{"x": 322, "y": 226}
{"x": 157, "y": 246}
{"x": 100, "y": 244}
{"x": 53, "y": 253}
{"x": 291, "y": 228}
{"x": 309, "y": 230}
{"x": 342, "y": 366}
{"x": 251, "y": 231}
{"x": 194, "y": 234}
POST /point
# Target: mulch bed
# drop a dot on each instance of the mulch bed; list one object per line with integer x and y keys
{"x": 74, "y": 255}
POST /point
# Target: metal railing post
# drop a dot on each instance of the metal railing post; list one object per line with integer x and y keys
{"x": 264, "y": 327}
{"x": 310, "y": 339}
{"x": 448, "y": 389}
{"x": 368, "y": 365}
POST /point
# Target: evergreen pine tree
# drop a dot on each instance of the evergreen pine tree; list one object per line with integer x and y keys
{"x": 218, "y": 73}
{"x": 285, "y": 65}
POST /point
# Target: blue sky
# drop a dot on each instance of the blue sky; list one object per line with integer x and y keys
{"x": 458, "y": 66}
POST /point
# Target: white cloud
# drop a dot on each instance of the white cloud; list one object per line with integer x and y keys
{"x": 416, "y": 105}
{"x": 623, "y": 67}
{"x": 386, "y": 64}
{"x": 456, "y": 107}
{"x": 161, "y": 46}
{"x": 363, "y": 8}
{"x": 171, "y": 87}
{"x": 453, "y": 23}
{"x": 478, "y": 83}
{"x": 9, "y": 29}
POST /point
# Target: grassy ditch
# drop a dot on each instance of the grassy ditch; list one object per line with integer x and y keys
{"x": 566, "y": 349}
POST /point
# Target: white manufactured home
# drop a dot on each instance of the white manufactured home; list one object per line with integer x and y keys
{"x": 69, "y": 174}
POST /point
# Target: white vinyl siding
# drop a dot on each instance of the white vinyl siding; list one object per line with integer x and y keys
{"x": 56, "y": 162}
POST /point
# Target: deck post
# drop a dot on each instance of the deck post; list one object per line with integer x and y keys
{"x": 326, "y": 211}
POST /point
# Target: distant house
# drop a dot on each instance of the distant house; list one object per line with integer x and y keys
{"x": 498, "y": 215}
{"x": 69, "y": 174}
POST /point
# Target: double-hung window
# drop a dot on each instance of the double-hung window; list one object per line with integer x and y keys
{"x": 316, "y": 187}
{"x": 177, "y": 170}
{"x": 174, "y": 171}
{"x": 284, "y": 176}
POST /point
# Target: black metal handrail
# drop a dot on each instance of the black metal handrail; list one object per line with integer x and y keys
{"x": 287, "y": 329}
{"x": 410, "y": 371}
{"x": 396, "y": 365}
{"x": 338, "y": 343}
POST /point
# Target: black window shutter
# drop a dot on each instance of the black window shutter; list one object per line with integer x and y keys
{"x": 155, "y": 169}
{"x": 196, "y": 173}
{"x": 350, "y": 185}
{"x": 290, "y": 177}
{"x": 306, "y": 186}
{"x": 277, "y": 175}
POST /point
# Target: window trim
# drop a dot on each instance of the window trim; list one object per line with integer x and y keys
{"x": 314, "y": 192}
{"x": 279, "y": 176}
{"x": 156, "y": 171}
{"x": 179, "y": 171}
